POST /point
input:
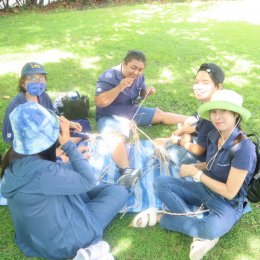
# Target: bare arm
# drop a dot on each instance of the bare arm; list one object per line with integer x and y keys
{"x": 107, "y": 97}
{"x": 200, "y": 165}
{"x": 185, "y": 130}
{"x": 228, "y": 190}
{"x": 194, "y": 148}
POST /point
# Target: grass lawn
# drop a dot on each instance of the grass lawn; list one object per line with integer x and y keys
{"x": 76, "y": 46}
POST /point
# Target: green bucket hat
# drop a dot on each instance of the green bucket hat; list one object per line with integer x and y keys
{"x": 227, "y": 100}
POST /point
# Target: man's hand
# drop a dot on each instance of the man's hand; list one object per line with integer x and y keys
{"x": 151, "y": 91}
{"x": 192, "y": 120}
{"x": 125, "y": 83}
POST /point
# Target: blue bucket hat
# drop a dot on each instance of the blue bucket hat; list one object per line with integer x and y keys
{"x": 32, "y": 68}
{"x": 35, "y": 128}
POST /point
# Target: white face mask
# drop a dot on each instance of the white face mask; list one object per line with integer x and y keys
{"x": 202, "y": 90}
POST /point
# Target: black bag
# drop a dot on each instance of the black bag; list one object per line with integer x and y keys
{"x": 253, "y": 189}
{"x": 72, "y": 105}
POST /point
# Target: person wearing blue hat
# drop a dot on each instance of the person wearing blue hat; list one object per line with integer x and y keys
{"x": 217, "y": 187}
{"x": 55, "y": 209}
{"x": 32, "y": 87}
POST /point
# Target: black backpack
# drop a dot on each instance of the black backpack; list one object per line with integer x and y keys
{"x": 253, "y": 188}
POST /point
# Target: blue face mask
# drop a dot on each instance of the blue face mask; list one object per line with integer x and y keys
{"x": 35, "y": 88}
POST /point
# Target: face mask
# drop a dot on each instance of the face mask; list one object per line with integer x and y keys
{"x": 35, "y": 88}
{"x": 201, "y": 88}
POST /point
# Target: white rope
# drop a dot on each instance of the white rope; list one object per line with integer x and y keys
{"x": 140, "y": 105}
{"x": 199, "y": 211}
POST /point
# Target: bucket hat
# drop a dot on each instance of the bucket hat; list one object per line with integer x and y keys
{"x": 35, "y": 128}
{"x": 227, "y": 100}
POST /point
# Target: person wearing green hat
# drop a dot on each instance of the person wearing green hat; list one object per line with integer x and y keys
{"x": 217, "y": 187}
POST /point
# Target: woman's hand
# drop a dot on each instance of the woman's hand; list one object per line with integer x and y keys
{"x": 177, "y": 132}
{"x": 188, "y": 170}
{"x": 76, "y": 126}
{"x": 85, "y": 151}
{"x": 192, "y": 120}
{"x": 64, "y": 136}
{"x": 175, "y": 139}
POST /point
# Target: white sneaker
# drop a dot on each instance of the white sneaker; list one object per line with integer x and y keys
{"x": 97, "y": 250}
{"x": 93, "y": 252}
{"x": 82, "y": 254}
{"x": 200, "y": 247}
{"x": 107, "y": 256}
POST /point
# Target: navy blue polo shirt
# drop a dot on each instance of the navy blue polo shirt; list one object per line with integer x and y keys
{"x": 202, "y": 129}
{"x": 19, "y": 99}
{"x": 243, "y": 156}
{"x": 123, "y": 105}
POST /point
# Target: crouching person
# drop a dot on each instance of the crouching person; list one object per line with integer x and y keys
{"x": 55, "y": 209}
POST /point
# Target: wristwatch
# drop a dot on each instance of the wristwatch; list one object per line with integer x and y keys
{"x": 197, "y": 176}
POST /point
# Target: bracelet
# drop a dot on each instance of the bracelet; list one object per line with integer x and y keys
{"x": 179, "y": 141}
{"x": 197, "y": 176}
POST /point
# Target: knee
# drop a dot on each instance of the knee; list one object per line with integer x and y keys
{"x": 114, "y": 139}
{"x": 120, "y": 193}
{"x": 158, "y": 115}
{"x": 159, "y": 183}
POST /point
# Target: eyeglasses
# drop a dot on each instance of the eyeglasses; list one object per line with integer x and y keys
{"x": 36, "y": 79}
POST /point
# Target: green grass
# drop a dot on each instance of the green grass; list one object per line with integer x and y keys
{"x": 76, "y": 46}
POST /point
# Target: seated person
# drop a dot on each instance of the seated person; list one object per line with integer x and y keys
{"x": 188, "y": 143}
{"x": 32, "y": 87}
{"x": 218, "y": 185}
{"x": 118, "y": 91}
{"x": 55, "y": 209}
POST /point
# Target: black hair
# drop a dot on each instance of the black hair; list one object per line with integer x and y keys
{"x": 21, "y": 83}
{"x": 9, "y": 156}
{"x": 215, "y": 72}
{"x": 135, "y": 55}
{"x": 48, "y": 154}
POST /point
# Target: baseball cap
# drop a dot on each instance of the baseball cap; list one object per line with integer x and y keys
{"x": 32, "y": 68}
{"x": 214, "y": 70}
